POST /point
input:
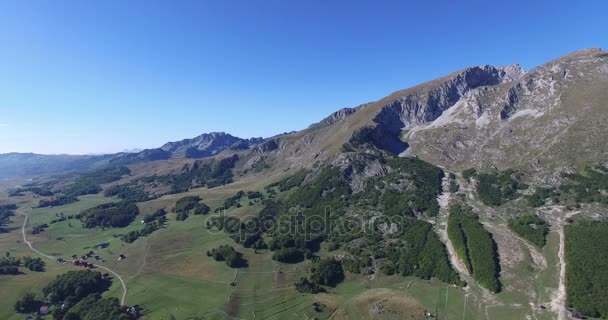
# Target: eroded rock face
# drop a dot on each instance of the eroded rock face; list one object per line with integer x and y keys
{"x": 427, "y": 105}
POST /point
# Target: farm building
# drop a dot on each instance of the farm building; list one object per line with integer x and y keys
{"x": 44, "y": 310}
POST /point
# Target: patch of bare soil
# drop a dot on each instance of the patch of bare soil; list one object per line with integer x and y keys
{"x": 388, "y": 304}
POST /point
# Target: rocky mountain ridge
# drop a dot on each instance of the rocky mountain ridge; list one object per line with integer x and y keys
{"x": 540, "y": 122}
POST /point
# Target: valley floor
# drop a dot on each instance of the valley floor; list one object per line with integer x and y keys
{"x": 170, "y": 276}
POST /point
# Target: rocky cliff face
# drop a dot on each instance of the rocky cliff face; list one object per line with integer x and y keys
{"x": 425, "y": 106}
{"x": 547, "y": 120}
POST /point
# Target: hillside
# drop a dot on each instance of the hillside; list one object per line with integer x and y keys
{"x": 503, "y": 117}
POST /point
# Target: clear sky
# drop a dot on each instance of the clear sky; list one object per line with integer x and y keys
{"x": 103, "y": 76}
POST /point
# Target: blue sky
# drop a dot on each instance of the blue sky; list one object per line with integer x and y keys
{"x": 103, "y": 76}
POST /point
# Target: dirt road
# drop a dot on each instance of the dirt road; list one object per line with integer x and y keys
{"x": 29, "y": 244}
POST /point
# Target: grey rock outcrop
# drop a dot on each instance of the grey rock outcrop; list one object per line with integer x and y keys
{"x": 426, "y": 105}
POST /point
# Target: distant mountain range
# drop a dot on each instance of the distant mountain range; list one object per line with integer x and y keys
{"x": 27, "y": 165}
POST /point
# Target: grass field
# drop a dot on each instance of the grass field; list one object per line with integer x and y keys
{"x": 170, "y": 276}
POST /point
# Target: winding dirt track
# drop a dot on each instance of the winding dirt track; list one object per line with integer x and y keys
{"x": 29, "y": 244}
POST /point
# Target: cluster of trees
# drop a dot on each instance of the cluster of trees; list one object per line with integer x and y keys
{"x": 28, "y": 304}
{"x": 57, "y": 201}
{"x": 39, "y": 228}
{"x": 586, "y": 250}
{"x": 186, "y": 204}
{"x": 585, "y": 187}
{"x": 288, "y": 255}
{"x": 34, "y": 264}
{"x": 254, "y": 195}
{"x": 418, "y": 195}
{"x": 408, "y": 190}
{"x": 307, "y": 286}
{"x": 181, "y": 216}
{"x": 76, "y": 295}
{"x": 292, "y": 181}
{"x": 416, "y": 251}
{"x": 226, "y": 253}
{"x": 75, "y": 285}
{"x": 41, "y": 191}
{"x": 6, "y": 212}
{"x": 149, "y": 217}
{"x": 326, "y": 190}
{"x": 327, "y": 272}
{"x": 88, "y": 183}
{"x": 531, "y": 227}
{"x": 294, "y": 248}
{"x": 109, "y": 215}
{"x": 212, "y": 174}
{"x": 234, "y": 200}
{"x": 590, "y": 186}
{"x": 152, "y": 222}
{"x": 94, "y": 306}
{"x": 540, "y": 196}
{"x": 474, "y": 245}
{"x": 60, "y": 217}
{"x": 189, "y": 204}
{"x": 329, "y": 189}
{"x": 496, "y": 188}
{"x": 9, "y": 265}
{"x": 201, "y": 209}
{"x": 355, "y": 264}
{"x": 128, "y": 192}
